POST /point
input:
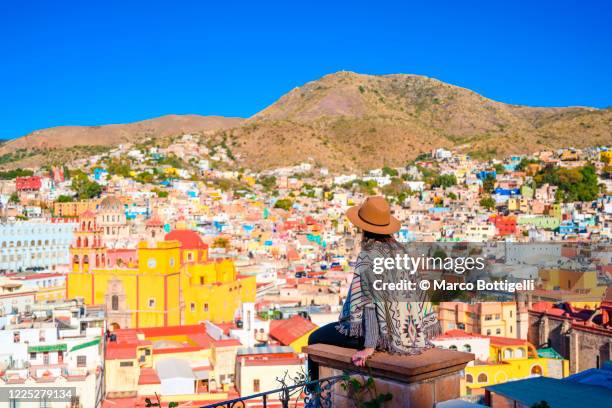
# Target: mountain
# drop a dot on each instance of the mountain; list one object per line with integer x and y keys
{"x": 110, "y": 135}
{"x": 347, "y": 121}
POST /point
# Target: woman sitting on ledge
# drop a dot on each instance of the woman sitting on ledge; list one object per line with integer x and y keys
{"x": 397, "y": 324}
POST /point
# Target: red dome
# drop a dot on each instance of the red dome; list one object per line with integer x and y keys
{"x": 189, "y": 239}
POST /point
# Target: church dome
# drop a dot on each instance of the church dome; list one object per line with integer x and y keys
{"x": 111, "y": 204}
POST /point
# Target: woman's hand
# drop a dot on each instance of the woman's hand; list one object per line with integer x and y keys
{"x": 360, "y": 356}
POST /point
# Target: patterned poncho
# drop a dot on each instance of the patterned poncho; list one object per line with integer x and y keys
{"x": 406, "y": 321}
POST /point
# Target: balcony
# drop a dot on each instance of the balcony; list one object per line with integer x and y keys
{"x": 420, "y": 381}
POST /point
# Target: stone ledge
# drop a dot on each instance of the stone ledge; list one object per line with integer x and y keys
{"x": 430, "y": 364}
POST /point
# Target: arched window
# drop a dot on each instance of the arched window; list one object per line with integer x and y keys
{"x": 469, "y": 379}
{"x": 520, "y": 353}
{"x": 85, "y": 260}
{"x": 467, "y": 348}
{"x": 115, "y": 302}
{"x": 86, "y": 242}
{"x": 75, "y": 260}
{"x": 508, "y": 353}
{"x": 536, "y": 370}
{"x": 452, "y": 347}
{"x": 97, "y": 260}
{"x": 78, "y": 243}
{"x": 482, "y": 378}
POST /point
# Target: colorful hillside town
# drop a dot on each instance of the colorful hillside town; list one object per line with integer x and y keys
{"x": 165, "y": 274}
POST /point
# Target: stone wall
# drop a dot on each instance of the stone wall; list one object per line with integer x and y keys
{"x": 419, "y": 381}
{"x": 585, "y": 347}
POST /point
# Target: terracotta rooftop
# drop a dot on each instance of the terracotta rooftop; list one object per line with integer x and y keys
{"x": 148, "y": 376}
{"x": 287, "y": 331}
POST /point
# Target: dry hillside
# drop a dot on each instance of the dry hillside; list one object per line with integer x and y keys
{"x": 347, "y": 121}
{"x": 110, "y": 135}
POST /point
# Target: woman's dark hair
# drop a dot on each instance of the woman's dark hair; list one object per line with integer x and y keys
{"x": 377, "y": 237}
{"x": 370, "y": 238}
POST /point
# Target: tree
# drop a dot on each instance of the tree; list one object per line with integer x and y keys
{"x": 487, "y": 202}
{"x": 388, "y": 171}
{"x": 84, "y": 188}
{"x": 160, "y": 193}
{"x": 12, "y": 174}
{"x": 575, "y": 184}
{"x": 444, "y": 181}
{"x": 14, "y": 198}
{"x": 488, "y": 184}
{"x": 64, "y": 199}
{"x": 499, "y": 168}
{"x": 267, "y": 182}
{"x": 283, "y": 203}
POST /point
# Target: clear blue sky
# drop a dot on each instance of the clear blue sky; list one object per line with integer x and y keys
{"x": 81, "y": 63}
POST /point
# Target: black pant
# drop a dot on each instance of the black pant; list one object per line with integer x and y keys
{"x": 328, "y": 334}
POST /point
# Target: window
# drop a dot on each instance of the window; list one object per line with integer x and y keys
{"x": 152, "y": 303}
{"x": 126, "y": 364}
{"x": 488, "y": 317}
{"x": 16, "y": 337}
{"x": 206, "y": 307}
{"x": 482, "y": 378}
{"x": 469, "y": 379}
{"x": 32, "y": 356}
{"x": 511, "y": 313}
{"x": 498, "y": 331}
{"x": 497, "y": 317}
{"x": 467, "y": 348}
{"x": 452, "y": 347}
{"x": 75, "y": 401}
{"x": 115, "y": 302}
{"x": 81, "y": 361}
{"x": 256, "y": 385}
{"x": 147, "y": 352}
{"x": 192, "y": 307}
{"x": 488, "y": 332}
{"x": 510, "y": 329}
{"x": 201, "y": 280}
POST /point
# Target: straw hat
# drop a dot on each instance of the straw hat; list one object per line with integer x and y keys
{"x": 374, "y": 215}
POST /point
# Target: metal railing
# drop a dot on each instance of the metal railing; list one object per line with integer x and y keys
{"x": 307, "y": 394}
